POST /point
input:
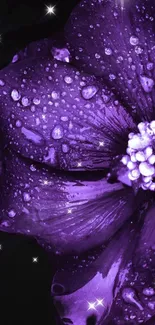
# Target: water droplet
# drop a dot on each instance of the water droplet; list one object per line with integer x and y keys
{"x": 129, "y": 296}
{"x": 134, "y": 40}
{"x": 25, "y": 101}
{"x": 138, "y": 50}
{"x": 65, "y": 148}
{"x": 34, "y": 136}
{"x": 15, "y": 95}
{"x": 147, "y": 83}
{"x": 55, "y": 95}
{"x": 108, "y": 51}
{"x": 97, "y": 56}
{"x": 2, "y": 83}
{"x": 68, "y": 80}
{"x": 148, "y": 292}
{"x": 61, "y": 54}
{"x": 32, "y": 168}
{"x": 18, "y": 123}
{"x": 57, "y": 132}
{"x": 36, "y": 101}
{"x": 150, "y": 66}
{"x": 51, "y": 157}
{"x": 26, "y": 197}
{"x": 64, "y": 118}
{"x": 15, "y": 58}
{"x": 89, "y": 91}
{"x": 151, "y": 305}
{"x": 11, "y": 213}
{"x": 112, "y": 77}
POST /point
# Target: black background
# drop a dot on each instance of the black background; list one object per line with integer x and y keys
{"x": 25, "y": 286}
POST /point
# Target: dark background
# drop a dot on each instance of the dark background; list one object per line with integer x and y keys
{"x": 24, "y": 285}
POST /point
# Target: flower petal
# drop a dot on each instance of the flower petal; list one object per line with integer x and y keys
{"x": 118, "y": 45}
{"x": 64, "y": 210}
{"x": 52, "y": 113}
{"x": 97, "y": 294}
{"x": 54, "y": 47}
{"x": 146, "y": 245}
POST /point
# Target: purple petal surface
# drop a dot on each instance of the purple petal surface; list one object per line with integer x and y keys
{"x": 62, "y": 210}
{"x": 52, "y": 113}
{"x": 117, "y": 44}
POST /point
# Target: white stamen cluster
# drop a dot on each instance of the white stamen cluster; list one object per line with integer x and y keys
{"x": 140, "y": 159}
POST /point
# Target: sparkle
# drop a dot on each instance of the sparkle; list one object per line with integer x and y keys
{"x": 35, "y": 259}
{"x": 43, "y": 116}
{"x": 99, "y": 302}
{"x": 45, "y": 182}
{"x": 101, "y": 143}
{"x": 79, "y": 164}
{"x": 50, "y": 10}
{"x": 69, "y": 210}
{"x": 91, "y": 305}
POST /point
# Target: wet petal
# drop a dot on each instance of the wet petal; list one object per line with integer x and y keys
{"x": 54, "y": 47}
{"x": 103, "y": 277}
{"x": 146, "y": 244}
{"x": 52, "y": 113}
{"x": 117, "y": 44}
{"x": 64, "y": 210}
{"x": 136, "y": 301}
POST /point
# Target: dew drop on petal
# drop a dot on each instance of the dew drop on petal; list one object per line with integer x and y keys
{"x": 64, "y": 118}
{"x": 2, "y": 83}
{"x": 15, "y": 58}
{"x": 55, "y": 95}
{"x": 26, "y": 197}
{"x": 11, "y": 213}
{"x": 18, "y": 123}
{"x": 25, "y": 101}
{"x": 151, "y": 305}
{"x": 148, "y": 292}
{"x": 129, "y": 296}
{"x": 33, "y": 136}
{"x": 65, "y": 148}
{"x": 138, "y": 50}
{"x": 108, "y": 51}
{"x": 57, "y": 132}
{"x": 36, "y": 101}
{"x": 134, "y": 40}
{"x": 150, "y": 66}
{"x": 61, "y": 54}
{"x": 89, "y": 91}
{"x": 147, "y": 83}
{"x": 15, "y": 95}
{"x": 97, "y": 56}
{"x": 68, "y": 80}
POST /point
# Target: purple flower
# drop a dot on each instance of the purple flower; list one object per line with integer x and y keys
{"x": 78, "y": 130}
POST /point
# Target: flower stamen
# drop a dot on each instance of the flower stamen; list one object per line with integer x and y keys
{"x": 140, "y": 158}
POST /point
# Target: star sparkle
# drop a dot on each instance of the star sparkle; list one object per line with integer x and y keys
{"x": 69, "y": 211}
{"x": 99, "y": 302}
{"x": 50, "y": 10}
{"x": 101, "y": 143}
{"x": 35, "y": 259}
{"x": 79, "y": 164}
{"x": 91, "y": 305}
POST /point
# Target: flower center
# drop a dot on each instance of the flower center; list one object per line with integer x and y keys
{"x": 140, "y": 158}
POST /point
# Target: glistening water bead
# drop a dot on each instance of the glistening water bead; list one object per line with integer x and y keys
{"x": 140, "y": 158}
